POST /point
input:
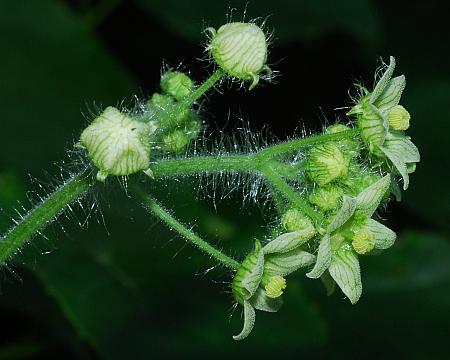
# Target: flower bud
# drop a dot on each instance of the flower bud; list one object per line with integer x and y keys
{"x": 175, "y": 141}
{"x": 240, "y": 49}
{"x": 326, "y": 163}
{"x": 363, "y": 241}
{"x": 294, "y": 220}
{"x": 176, "y": 84}
{"x": 399, "y": 118}
{"x": 275, "y": 286}
{"x": 326, "y": 198}
{"x": 118, "y": 144}
{"x": 160, "y": 108}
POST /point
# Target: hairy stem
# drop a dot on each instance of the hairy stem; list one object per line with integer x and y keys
{"x": 280, "y": 185}
{"x": 154, "y": 207}
{"x": 42, "y": 214}
{"x": 201, "y": 90}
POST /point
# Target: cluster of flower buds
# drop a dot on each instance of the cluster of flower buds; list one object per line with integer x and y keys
{"x": 348, "y": 179}
{"x": 120, "y": 143}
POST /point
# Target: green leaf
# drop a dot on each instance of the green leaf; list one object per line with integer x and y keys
{"x": 323, "y": 258}
{"x": 344, "y": 269}
{"x": 249, "y": 322}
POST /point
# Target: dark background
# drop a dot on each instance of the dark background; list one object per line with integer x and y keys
{"x": 123, "y": 286}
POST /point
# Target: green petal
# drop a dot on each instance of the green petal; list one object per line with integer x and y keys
{"x": 399, "y": 164}
{"x": 369, "y": 199}
{"x": 261, "y": 301}
{"x": 286, "y": 263}
{"x": 391, "y": 95}
{"x": 402, "y": 147}
{"x": 344, "y": 269}
{"x": 384, "y": 81}
{"x": 289, "y": 241}
{"x": 249, "y": 322}
{"x": 384, "y": 237}
{"x": 323, "y": 258}
{"x": 344, "y": 213}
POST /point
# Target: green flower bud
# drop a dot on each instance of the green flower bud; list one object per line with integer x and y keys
{"x": 326, "y": 198}
{"x": 294, "y": 220}
{"x": 275, "y": 286}
{"x": 399, "y": 118}
{"x": 118, "y": 144}
{"x": 176, "y": 84}
{"x": 363, "y": 241}
{"x": 175, "y": 141}
{"x": 240, "y": 49}
{"x": 348, "y": 146}
{"x": 160, "y": 107}
{"x": 326, "y": 163}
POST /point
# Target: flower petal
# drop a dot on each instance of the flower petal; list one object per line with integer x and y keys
{"x": 328, "y": 282}
{"x": 344, "y": 269}
{"x": 391, "y": 94}
{"x": 369, "y": 199}
{"x": 403, "y": 147}
{"x": 384, "y": 81}
{"x": 399, "y": 164}
{"x": 344, "y": 213}
{"x": 289, "y": 241}
{"x": 323, "y": 258}
{"x": 384, "y": 237}
{"x": 261, "y": 301}
{"x": 249, "y": 322}
{"x": 286, "y": 263}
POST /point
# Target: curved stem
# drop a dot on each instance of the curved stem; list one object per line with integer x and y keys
{"x": 42, "y": 214}
{"x": 279, "y": 184}
{"x": 201, "y": 90}
{"x": 153, "y": 206}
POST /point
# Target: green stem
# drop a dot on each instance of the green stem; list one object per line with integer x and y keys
{"x": 201, "y": 90}
{"x": 279, "y": 184}
{"x": 42, "y": 214}
{"x": 293, "y": 145}
{"x": 153, "y": 206}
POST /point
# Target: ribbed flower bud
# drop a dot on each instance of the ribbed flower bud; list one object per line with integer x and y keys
{"x": 240, "y": 49}
{"x": 363, "y": 241}
{"x": 399, "y": 118}
{"x": 175, "y": 141}
{"x": 275, "y": 286}
{"x": 326, "y": 163}
{"x": 326, "y": 198}
{"x": 349, "y": 146}
{"x": 118, "y": 144}
{"x": 294, "y": 220}
{"x": 176, "y": 84}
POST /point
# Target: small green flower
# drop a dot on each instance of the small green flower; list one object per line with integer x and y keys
{"x": 118, "y": 144}
{"x": 348, "y": 146}
{"x": 240, "y": 49}
{"x": 353, "y": 223}
{"x": 326, "y": 198}
{"x": 294, "y": 219}
{"x": 381, "y": 121}
{"x": 259, "y": 282}
{"x": 176, "y": 84}
{"x": 326, "y": 163}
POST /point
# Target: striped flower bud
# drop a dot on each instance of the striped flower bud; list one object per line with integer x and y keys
{"x": 363, "y": 241}
{"x": 326, "y": 163}
{"x": 118, "y": 144}
{"x": 240, "y": 49}
{"x": 294, "y": 220}
{"x": 176, "y": 84}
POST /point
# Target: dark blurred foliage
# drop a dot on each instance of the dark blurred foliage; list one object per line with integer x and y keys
{"x": 123, "y": 286}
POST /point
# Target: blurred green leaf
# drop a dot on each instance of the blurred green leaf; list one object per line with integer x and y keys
{"x": 292, "y": 20}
